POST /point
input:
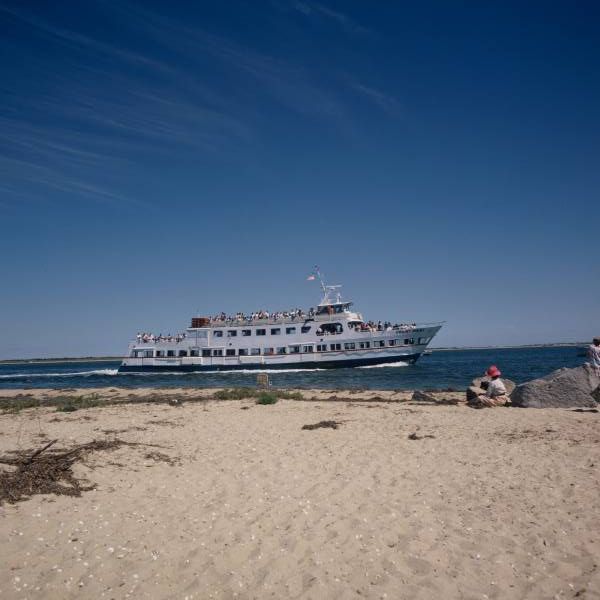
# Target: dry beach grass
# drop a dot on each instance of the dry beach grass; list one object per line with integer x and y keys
{"x": 399, "y": 500}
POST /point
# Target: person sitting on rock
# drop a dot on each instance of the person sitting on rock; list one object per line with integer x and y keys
{"x": 593, "y": 354}
{"x": 495, "y": 394}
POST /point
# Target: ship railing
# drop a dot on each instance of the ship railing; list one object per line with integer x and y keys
{"x": 162, "y": 341}
{"x": 295, "y": 321}
{"x": 254, "y": 322}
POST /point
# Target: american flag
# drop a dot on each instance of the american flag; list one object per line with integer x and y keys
{"x": 313, "y": 275}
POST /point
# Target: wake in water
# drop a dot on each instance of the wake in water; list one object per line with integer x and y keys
{"x": 394, "y": 364}
{"x": 111, "y": 372}
{"x": 74, "y": 374}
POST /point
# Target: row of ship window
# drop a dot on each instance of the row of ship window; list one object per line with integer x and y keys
{"x": 208, "y": 352}
{"x": 274, "y": 331}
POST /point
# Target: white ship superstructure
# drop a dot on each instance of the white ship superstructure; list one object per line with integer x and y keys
{"x": 330, "y": 336}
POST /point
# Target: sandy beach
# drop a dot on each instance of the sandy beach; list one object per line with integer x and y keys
{"x": 230, "y": 499}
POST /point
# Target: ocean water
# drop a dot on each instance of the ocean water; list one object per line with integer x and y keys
{"x": 442, "y": 369}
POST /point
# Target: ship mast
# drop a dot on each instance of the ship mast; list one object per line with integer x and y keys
{"x": 328, "y": 290}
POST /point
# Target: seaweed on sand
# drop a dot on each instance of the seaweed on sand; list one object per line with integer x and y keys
{"x": 326, "y": 424}
{"x": 48, "y": 471}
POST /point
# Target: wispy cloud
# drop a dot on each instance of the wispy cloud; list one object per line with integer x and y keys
{"x": 386, "y": 102}
{"x": 81, "y": 40}
{"x": 73, "y": 130}
{"x": 167, "y": 88}
{"x": 315, "y": 9}
{"x": 292, "y": 85}
{"x": 40, "y": 176}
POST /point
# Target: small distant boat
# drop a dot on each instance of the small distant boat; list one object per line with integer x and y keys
{"x": 326, "y": 337}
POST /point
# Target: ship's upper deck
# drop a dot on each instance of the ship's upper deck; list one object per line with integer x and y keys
{"x": 323, "y": 312}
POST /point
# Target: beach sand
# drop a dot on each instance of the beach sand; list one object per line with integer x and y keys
{"x": 229, "y": 499}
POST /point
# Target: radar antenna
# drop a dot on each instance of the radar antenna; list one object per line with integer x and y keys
{"x": 328, "y": 290}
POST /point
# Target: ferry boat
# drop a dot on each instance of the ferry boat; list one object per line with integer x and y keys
{"x": 332, "y": 335}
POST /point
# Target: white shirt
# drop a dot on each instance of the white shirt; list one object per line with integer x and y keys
{"x": 496, "y": 388}
{"x": 594, "y": 355}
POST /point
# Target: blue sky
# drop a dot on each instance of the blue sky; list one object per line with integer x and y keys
{"x": 441, "y": 160}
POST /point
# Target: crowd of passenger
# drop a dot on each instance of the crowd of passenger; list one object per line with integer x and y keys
{"x": 150, "y": 338}
{"x": 385, "y": 326}
{"x": 295, "y": 313}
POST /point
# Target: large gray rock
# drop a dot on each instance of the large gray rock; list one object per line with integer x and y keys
{"x": 564, "y": 388}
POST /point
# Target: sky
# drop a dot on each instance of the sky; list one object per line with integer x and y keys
{"x": 441, "y": 160}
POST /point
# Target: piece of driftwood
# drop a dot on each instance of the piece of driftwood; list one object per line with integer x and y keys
{"x": 414, "y": 436}
{"x": 38, "y": 452}
{"x": 330, "y": 424}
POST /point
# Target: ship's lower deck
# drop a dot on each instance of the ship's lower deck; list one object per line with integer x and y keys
{"x": 340, "y": 362}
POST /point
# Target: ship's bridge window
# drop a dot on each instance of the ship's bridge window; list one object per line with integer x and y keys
{"x": 424, "y": 340}
{"x": 261, "y": 332}
{"x": 335, "y": 346}
{"x": 183, "y": 353}
{"x": 275, "y": 331}
{"x": 290, "y": 330}
{"x": 232, "y": 333}
{"x": 305, "y": 329}
{"x": 330, "y": 328}
{"x": 230, "y": 352}
{"x": 217, "y": 352}
{"x": 321, "y": 347}
{"x": 246, "y": 332}
{"x": 307, "y": 348}
{"x": 205, "y": 352}
{"x": 409, "y": 341}
{"x": 218, "y": 333}
{"x": 333, "y": 309}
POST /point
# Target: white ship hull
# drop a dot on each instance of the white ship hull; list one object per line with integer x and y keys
{"x": 201, "y": 351}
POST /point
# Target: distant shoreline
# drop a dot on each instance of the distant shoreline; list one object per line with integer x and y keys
{"x": 555, "y": 345}
{"x": 36, "y": 361}
{"x": 66, "y": 359}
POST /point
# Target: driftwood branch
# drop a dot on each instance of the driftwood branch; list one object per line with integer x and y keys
{"x": 38, "y": 452}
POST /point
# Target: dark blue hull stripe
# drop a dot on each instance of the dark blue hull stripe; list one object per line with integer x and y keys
{"x": 332, "y": 364}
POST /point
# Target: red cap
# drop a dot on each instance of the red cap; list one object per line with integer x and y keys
{"x": 493, "y": 371}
